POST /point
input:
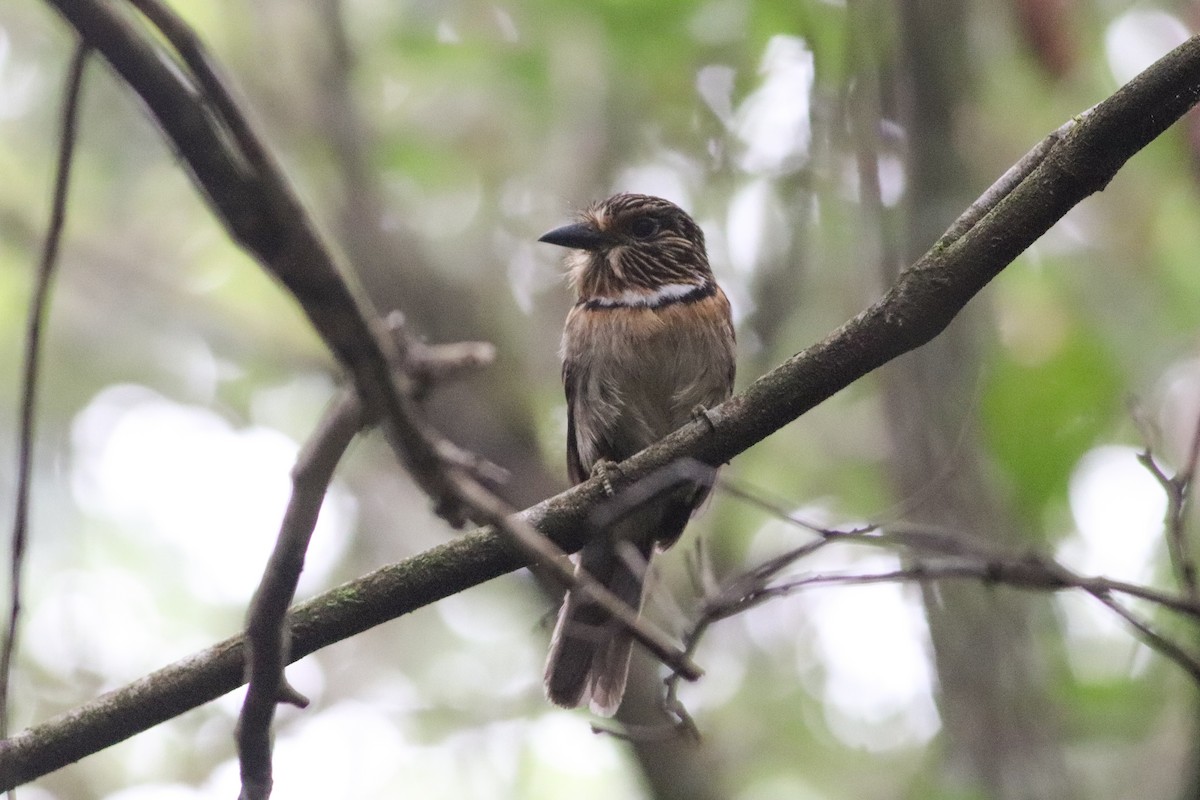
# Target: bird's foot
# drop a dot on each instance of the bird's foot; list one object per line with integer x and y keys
{"x": 700, "y": 412}
{"x": 601, "y": 470}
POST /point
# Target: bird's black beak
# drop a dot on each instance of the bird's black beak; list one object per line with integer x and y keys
{"x": 578, "y": 235}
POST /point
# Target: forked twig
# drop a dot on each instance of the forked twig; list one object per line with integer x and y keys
{"x": 1177, "y": 488}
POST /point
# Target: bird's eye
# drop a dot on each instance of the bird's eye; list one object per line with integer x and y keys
{"x": 643, "y": 227}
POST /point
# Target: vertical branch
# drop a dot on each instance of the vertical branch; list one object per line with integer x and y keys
{"x": 33, "y": 345}
{"x": 1181, "y": 486}
{"x": 267, "y": 633}
{"x": 1177, "y": 488}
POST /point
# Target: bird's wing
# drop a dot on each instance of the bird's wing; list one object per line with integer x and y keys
{"x": 575, "y": 470}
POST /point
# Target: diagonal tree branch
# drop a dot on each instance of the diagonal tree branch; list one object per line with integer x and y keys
{"x": 251, "y": 196}
{"x": 919, "y": 305}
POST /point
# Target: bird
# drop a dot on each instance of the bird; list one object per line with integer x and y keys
{"x": 648, "y": 344}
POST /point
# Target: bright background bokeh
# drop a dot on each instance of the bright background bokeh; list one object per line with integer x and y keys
{"x": 434, "y": 142}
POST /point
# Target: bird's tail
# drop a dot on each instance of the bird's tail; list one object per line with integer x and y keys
{"x": 589, "y": 650}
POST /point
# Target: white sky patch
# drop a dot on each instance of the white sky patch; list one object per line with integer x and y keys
{"x": 1118, "y": 509}
{"x": 746, "y": 218}
{"x": 485, "y": 617}
{"x": 528, "y": 276}
{"x": 347, "y": 750}
{"x": 154, "y": 791}
{"x": 104, "y": 621}
{"x": 870, "y": 643}
{"x": 447, "y": 34}
{"x": 1138, "y": 38}
{"x": 1178, "y": 411}
{"x": 724, "y": 656}
{"x": 18, "y": 82}
{"x": 664, "y": 180}
{"x": 506, "y": 24}
{"x": 181, "y": 477}
{"x": 352, "y": 750}
{"x": 757, "y": 226}
{"x": 560, "y": 739}
{"x": 773, "y": 121}
{"x": 873, "y": 641}
{"x": 892, "y": 179}
{"x": 714, "y": 84}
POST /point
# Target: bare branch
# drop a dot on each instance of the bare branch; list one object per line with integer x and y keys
{"x": 541, "y": 552}
{"x": 939, "y": 555}
{"x": 1152, "y": 638}
{"x": 426, "y": 365}
{"x": 266, "y": 629}
{"x": 191, "y": 49}
{"x": 29, "y": 378}
{"x": 250, "y": 194}
{"x": 1023, "y": 573}
{"x": 1010, "y": 180}
{"x": 1177, "y": 488}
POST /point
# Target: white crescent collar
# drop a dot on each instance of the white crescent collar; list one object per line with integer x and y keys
{"x": 664, "y": 295}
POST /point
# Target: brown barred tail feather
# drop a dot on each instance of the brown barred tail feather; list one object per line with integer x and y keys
{"x": 589, "y": 651}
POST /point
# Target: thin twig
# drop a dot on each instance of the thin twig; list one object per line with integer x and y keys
{"x": 1177, "y": 519}
{"x": 1011, "y": 179}
{"x": 953, "y": 557}
{"x": 267, "y": 634}
{"x": 29, "y": 379}
{"x": 755, "y": 497}
{"x": 191, "y": 49}
{"x": 426, "y": 365}
{"x": 1177, "y": 488}
{"x": 1151, "y": 637}
{"x": 926, "y": 541}
{"x": 1018, "y": 574}
{"x": 543, "y": 553}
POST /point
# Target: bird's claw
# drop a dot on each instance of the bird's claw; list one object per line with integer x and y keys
{"x": 600, "y": 470}
{"x": 700, "y": 412}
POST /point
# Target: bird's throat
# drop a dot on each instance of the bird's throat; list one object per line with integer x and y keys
{"x": 658, "y": 297}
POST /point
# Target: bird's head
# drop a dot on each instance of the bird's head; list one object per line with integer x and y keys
{"x": 632, "y": 243}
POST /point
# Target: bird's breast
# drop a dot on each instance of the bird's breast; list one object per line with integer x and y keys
{"x": 639, "y": 371}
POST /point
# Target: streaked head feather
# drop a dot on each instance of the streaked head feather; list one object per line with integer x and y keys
{"x": 652, "y": 242}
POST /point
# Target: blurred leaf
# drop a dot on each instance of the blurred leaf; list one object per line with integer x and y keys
{"x": 1048, "y": 398}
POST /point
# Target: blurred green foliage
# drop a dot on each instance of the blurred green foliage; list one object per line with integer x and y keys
{"x": 481, "y": 125}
